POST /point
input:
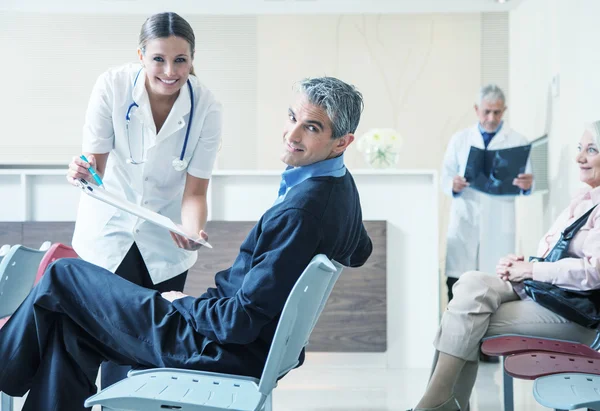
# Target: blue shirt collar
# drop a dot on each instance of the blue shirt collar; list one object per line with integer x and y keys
{"x": 292, "y": 176}
{"x": 482, "y": 130}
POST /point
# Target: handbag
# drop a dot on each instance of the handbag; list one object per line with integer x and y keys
{"x": 581, "y": 307}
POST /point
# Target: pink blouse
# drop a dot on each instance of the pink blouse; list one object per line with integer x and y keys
{"x": 581, "y": 272}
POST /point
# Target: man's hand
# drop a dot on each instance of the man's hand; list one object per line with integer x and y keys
{"x": 173, "y": 295}
{"x": 458, "y": 184}
{"x": 523, "y": 181}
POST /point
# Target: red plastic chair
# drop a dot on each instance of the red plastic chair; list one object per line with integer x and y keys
{"x": 511, "y": 344}
{"x": 505, "y": 345}
{"x": 56, "y": 251}
{"x": 532, "y": 365}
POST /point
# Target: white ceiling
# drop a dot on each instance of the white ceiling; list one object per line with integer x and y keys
{"x": 257, "y": 6}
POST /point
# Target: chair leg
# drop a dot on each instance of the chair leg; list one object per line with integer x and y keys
{"x": 508, "y": 390}
{"x": 596, "y": 344}
{"x": 6, "y": 402}
{"x": 268, "y": 403}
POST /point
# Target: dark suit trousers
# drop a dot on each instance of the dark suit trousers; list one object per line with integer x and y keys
{"x": 133, "y": 268}
{"x": 80, "y": 315}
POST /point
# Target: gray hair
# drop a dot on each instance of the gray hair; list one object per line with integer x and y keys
{"x": 594, "y": 128}
{"x": 490, "y": 92}
{"x": 342, "y": 102}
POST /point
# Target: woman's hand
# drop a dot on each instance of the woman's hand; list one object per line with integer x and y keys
{"x": 186, "y": 243}
{"x": 509, "y": 259}
{"x": 506, "y": 262}
{"x": 513, "y": 268}
{"x": 78, "y": 169}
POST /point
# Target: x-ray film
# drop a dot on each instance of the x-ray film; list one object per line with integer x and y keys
{"x": 493, "y": 171}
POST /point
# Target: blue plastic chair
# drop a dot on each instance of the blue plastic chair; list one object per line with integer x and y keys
{"x": 18, "y": 269}
{"x": 5, "y": 400}
{"x": 17, "y": 275}
{"x": 568, "y": 391}
{"x": 167, "y": 388}
{"x": 4, "y": 250}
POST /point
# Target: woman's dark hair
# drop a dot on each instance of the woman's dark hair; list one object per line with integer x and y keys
{"x": 164, "y": 25}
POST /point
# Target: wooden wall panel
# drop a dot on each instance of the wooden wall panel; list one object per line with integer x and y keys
{"x": 35, "y": 233}
{"x": 226, "y": 238}
{"x": 354, "y": 319}
{"x": 11, "y": 233}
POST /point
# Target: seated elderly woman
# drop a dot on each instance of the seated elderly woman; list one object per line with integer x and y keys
{"x": 485, "y": 304}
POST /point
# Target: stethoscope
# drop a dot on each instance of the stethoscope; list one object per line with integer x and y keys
{"x": 179, "y": 164}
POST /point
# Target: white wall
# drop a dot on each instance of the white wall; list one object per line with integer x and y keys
{"x": 553, "y": 38}
{"x": 418, "y": 74}
{"x": 254, "y": 7}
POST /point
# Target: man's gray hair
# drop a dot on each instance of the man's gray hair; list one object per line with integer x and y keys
{"x": 342, "y": 102}
{"x": 490, "y": 92}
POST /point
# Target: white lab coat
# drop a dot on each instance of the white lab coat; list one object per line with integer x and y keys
{"x": 482, "y": 227}
{"x": 103, "y": 234}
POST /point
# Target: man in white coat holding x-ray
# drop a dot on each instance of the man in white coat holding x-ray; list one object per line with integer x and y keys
{"x": 482, "y": 226}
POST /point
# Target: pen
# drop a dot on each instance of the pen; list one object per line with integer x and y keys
{"x": 93, "y": 173}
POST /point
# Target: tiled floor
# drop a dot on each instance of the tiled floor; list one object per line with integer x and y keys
{"x": 317, "y": 388}
{"x": 313, "y": 389}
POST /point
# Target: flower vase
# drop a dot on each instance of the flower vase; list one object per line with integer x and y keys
{"x": 381, "y": 156}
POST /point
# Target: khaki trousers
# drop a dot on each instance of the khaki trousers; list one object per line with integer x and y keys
{"x": 485, "y": 305}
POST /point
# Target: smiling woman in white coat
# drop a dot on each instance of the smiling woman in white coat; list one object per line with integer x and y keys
{"x": 152, "y": 131}
{"x": 482, "y": 226}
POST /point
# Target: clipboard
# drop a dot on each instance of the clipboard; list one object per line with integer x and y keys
{"x": 139, "y": 211}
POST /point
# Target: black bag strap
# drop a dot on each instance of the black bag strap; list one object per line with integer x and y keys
{"x": 571, "y": 230}
{"x": 560, "y": 249}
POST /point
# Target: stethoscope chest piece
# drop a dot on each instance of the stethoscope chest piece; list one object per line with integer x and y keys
{"x": 180, "y": 165}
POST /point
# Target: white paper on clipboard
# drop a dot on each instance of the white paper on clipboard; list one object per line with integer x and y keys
{"x": 139, "y": 211}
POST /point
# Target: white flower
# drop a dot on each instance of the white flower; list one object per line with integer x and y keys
{"x": 380, "y": 137}
{"x": 381, "y": 147}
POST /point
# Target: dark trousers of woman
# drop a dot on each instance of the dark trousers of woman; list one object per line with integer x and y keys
{"x": 133, "y": 269}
